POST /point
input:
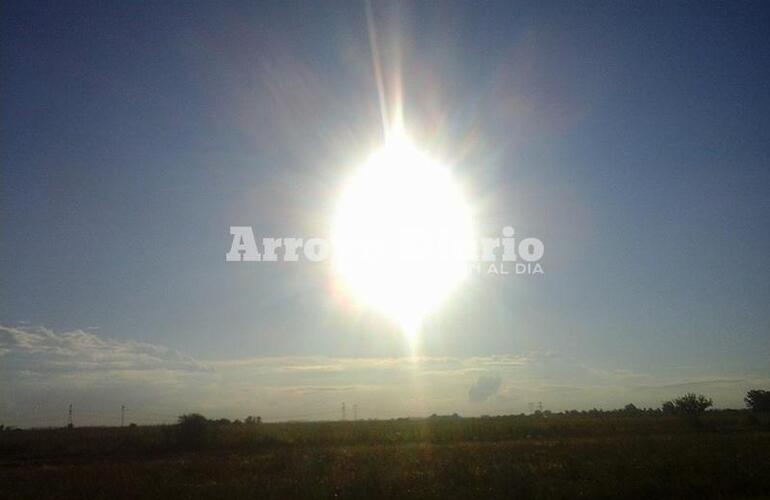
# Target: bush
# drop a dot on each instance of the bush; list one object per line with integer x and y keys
{"x": 758, "y": 400}
{"x": 631, "y": 409}
{"x": 690, "y": 404}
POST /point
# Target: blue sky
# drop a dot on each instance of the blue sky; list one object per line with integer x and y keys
{"x": 632, "y": 138}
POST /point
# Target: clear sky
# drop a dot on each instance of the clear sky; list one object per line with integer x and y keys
{"x": 633, "y": 138}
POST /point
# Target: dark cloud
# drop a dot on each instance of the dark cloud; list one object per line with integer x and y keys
{"x": 485, "y": 387}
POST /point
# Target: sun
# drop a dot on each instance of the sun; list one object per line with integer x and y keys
{"x": 401, "y": 234}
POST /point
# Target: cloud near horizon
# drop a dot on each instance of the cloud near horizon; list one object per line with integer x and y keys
{"x": 484, "y": 388}
{"x": 44, "y": 370}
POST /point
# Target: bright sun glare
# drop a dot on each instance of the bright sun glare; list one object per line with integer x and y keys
{"x": 401, "y": 234}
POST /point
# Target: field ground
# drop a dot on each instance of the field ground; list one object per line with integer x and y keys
{"x": 719, "y": 456}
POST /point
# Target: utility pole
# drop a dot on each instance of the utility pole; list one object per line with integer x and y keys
{"x": 540, "y": 406}
{"x": 122, "y": 415}
{"x": 69, "y": 417}
{"x": 355, "y": 412}
{"x": 344, "y": 417}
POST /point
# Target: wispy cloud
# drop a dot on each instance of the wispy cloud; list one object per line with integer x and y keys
{"x": 44, "y": 350}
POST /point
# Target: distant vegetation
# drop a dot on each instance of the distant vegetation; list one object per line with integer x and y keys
{"x": 631, "y": 452}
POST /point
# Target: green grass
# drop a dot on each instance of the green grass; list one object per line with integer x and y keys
{"x": 725, "y": 456}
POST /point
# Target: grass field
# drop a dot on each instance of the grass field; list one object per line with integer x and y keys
{"x": 720, "y": 455}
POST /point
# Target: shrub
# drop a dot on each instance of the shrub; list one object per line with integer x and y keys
{"x": 690, "y": 404}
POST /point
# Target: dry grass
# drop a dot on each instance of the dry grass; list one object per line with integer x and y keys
{"x": 506, "y": 457}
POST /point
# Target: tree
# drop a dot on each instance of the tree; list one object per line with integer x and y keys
{"x": 758, "y": 400}
{"x": 690, "y": 404}
{"x": 194, "y": 430}
{"x": 631, "y": 409}
{"x": 192, "y": 420}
